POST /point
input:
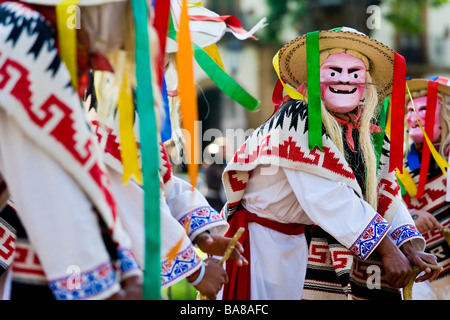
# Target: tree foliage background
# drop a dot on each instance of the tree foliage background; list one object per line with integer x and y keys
{"x": 404, "y": 15}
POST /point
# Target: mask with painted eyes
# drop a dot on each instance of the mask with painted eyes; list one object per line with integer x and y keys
{"x": 342, "y": 78}
{"x": 420, "y": 104}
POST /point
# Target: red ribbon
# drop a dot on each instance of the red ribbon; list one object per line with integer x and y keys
{"x": 429, "y": 124}
{"x": 397, "y": 113}
{"x": 230, "y": 21}
{"x": 161, "y": 24}
{"x": 277, "y": 95}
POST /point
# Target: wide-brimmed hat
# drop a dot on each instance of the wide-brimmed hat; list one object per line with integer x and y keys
{"x": 422, "y": 84}
{"x": 298, "y": 64}
{"x": 80, "y": 3}
{"x": 293, "y": 60}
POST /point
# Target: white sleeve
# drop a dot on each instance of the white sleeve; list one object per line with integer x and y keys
{"x": 339, "y": 211}
{"x": 404, "y": 229}
{"x": 178, "y": 256}
{"x": 186, "y": 202}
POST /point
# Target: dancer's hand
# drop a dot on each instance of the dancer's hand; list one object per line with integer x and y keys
{"x": 425, "y": 221}
{"x": 213, "y": 280}
{"x": 216, "y": 245}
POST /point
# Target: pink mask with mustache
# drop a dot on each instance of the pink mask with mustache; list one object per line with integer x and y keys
{"x": 420, "y": 104}
{"x": 340, "y": 75}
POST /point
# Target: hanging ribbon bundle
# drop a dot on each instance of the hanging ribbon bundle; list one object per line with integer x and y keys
{"x": 208, "y": 57}
{"x": 429, "y": 124}
{"x": 149, "y": 153}
{"x": 209, "y": 60}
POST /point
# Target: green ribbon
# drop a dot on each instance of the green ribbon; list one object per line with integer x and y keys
{"x": 223, "y": 81}
{"x": 149, "y": 154}
{"x": 313, "y": 78}
{"x": 378, "y": 138}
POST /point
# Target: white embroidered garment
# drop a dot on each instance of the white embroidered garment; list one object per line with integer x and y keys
{"x": 65, "y": 205}
{"x": 185, "y": 213}
{"x": 282, "y": 142}
{"x": 37, "y": 99}
{"x": 291, "y": 196}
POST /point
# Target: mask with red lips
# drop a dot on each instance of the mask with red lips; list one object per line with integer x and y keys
{"x": 342, "y": 78}
{"x": 420, "y": 104}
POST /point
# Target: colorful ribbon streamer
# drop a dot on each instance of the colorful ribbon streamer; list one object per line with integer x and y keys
{"x": 166, "y": 132}
{"x": 217, "y": 74}
{"x": 378, "y": 138}
{"x": 128, "y": 145}
{"x": 407, "y": 182}
{"x": 225, "y": 83}
{"x": 161, "y": 25}
{"x": 313, "y": 78}
{"x": 67, "y": 37}
{"x": 149, "y": 153}
{"x": 187, "y": 92}
{"x": 213, "y": 52}
{"x": 397, "y": 113}
{"x": 294, "y": 94}
{"x": 429, "y": 124}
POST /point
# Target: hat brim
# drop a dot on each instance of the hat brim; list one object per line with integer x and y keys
{"x": 81, "y": 3}
{"x": 422, "y": 84}
{"x": 293, "y": 60}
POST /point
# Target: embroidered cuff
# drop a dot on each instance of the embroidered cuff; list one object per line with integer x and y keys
{"x": 98, "y": 283}
{"x": 128, "y": 264}
{"x": 404, "y": 233}
{"x": 369, "y": 239}
{"x": 201, "y": 219}
{"x": 183, "y": 265}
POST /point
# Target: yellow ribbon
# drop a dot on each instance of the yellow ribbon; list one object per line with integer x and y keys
{"x": 66, "y": 21}
{"x": 388, "y": 122}
{"x": 441, "y": 162}
{"x": 407, "y": 182}
{"x": 213, "y": 52}
{"x": 294, "y": 94}
{"x": 128, "y": 145}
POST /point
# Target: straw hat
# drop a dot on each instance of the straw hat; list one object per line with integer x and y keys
{"x": 293, "y": 61}
{"x": 81, "y": 3}
{"x": 422, "y": 84}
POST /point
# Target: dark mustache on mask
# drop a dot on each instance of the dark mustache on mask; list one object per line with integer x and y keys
{"x": 331, "y": 83}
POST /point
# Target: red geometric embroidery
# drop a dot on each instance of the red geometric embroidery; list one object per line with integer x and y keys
{"x": 341, "y": 259}
{"x": 318, "y": 253}
{"x": 331, "y": 162}
{"x": 7, "y": 243}
{"x": 235, "y": 183}
{"x": 21, "y": 90}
